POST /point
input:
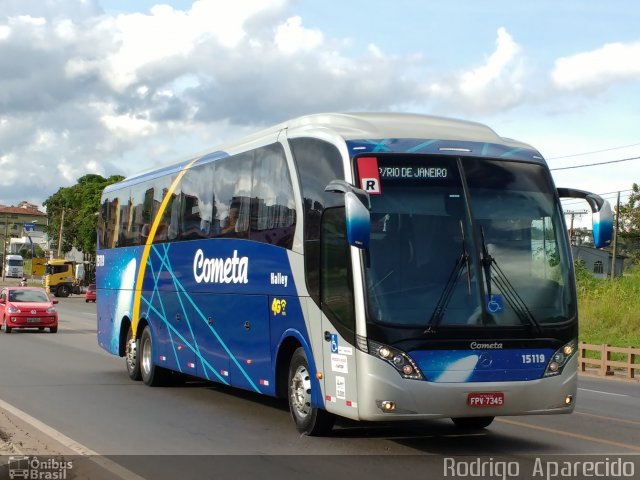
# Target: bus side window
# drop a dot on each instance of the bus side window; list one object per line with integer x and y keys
{"x": 232, "y": 187}
{"x": 336, "y": 286}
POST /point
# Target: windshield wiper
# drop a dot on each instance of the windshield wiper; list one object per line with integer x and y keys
{"x": 445, "y": 297}
{"x": 508, "y": 290}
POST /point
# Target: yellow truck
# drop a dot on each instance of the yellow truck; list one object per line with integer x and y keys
{"x": 60, "y": 277}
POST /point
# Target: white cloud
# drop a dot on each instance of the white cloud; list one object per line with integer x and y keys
{"x": 291, "y": 37}
{"x": 129, "y": 125}
{"x": 478, "y": 80}
{"x": 493, "y": 86}
{"x": 5, "y": 31}
{"x": 93, "y": 92}
{"x": 167, "y": 34}
{"x": 599, "y": 68}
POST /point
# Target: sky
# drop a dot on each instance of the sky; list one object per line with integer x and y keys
{"x": 120, "y": 86}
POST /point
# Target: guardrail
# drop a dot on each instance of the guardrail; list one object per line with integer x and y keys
{"x": 604, "y": 365}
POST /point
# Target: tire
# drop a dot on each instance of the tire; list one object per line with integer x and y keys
{"x": 131, "y": 357}
{"x": 7, "y": 328}
{"x": 63, "y": 291}
{"x": 473, "y": 423}
{"x": 53, "y": 329}
{"x": 307, "y": 419}
{"x": 152, "y": 375}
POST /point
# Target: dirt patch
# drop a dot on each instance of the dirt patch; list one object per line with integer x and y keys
{"x": 20, "y": 438}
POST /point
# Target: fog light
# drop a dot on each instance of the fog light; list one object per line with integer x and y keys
{"x": 388, "y": 406}
{"x": 568, "y": 400}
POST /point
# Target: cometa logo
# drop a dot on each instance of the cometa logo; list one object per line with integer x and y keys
{"x": 220, "y": 270}
{"x": 488, "y": 346}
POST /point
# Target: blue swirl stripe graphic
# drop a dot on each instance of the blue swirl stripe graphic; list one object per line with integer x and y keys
{"x": 162, "y": 258}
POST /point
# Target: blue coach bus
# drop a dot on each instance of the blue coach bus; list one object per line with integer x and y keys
{"x": 370, "y": 266}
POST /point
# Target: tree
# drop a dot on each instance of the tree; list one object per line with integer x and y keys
{"x": 629, "y": 225}
{"x": 81, "y": 205}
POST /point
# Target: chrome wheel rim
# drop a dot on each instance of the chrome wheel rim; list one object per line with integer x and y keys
{"x": 131, "y": 355}
{"x": 301, "y": 392}
{"x": 146, "y": 356}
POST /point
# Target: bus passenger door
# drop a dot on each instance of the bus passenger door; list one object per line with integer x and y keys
{"x": 338, "y": 316}
{"x": 340, "y": 385}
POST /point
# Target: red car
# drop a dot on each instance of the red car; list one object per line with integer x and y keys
{"x": 90, "y": 294}
{"x": 27, "y": 307}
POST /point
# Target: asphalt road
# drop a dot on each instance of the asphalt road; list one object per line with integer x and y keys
{"x": 66, "y": 381}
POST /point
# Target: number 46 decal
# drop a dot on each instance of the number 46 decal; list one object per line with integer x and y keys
{"x": 278, "y": 306}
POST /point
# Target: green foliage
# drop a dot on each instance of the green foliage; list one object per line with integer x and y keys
{"x": 81, "y": 204}
{"x": 26, "y": 252}
{"x": 629, "y": 227}
{"x": 609, "y": 310}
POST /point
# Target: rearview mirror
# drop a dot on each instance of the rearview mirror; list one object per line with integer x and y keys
{"x": 601, "y": 217}
{"x": 358, "y": 219}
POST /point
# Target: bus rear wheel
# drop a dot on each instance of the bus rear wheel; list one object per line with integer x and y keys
{"x": 152, "y": 375}
{"x": 132, "y": 356}
{"x": 308, "y": 420}
{"x": 473, "y": 423}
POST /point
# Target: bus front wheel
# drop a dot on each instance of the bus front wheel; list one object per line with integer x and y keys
{"x": 308, "y": 420}
{"x": 152, "y": 375}
{"x": 473, "y": 423}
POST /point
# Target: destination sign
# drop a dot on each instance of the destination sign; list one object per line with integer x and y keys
{"x": 413, "y": 172}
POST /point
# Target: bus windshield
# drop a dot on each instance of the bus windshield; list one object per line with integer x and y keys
{"x": 495, "y": 255}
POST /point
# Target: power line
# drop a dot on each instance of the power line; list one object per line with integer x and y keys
{"x": 594, "y": 164}
{"x": 595, "y": 151}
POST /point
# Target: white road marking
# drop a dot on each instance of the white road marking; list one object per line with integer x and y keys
{"x": 118, "y": 470}
{"x": 604, "y": 393}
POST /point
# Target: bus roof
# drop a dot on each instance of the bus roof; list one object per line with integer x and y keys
{"x": 349, "y": 126}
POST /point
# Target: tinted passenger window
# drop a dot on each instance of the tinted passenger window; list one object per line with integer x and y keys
{"x": 318, "y": 163}
{"x": 197, "y": 202}
{"x": 232, "y": 187}
{"x": 273, "y": 214}
{"x": 248, "y": 195}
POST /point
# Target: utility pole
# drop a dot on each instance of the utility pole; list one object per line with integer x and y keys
{"x": 615, "y": 240}
{"x": 60, "y": 233}
{"x": 4, "y": 245}
{"x": 573, "y": 214}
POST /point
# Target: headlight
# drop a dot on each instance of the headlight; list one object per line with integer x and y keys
{"x": 51, "y": 310}
{"x": 399, "y": 360}
{"x": 13, "y": 310}
{"x": 560, "y": 358}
